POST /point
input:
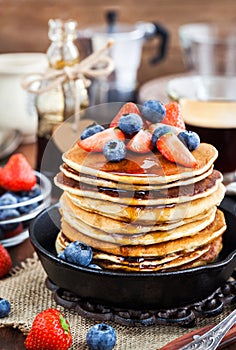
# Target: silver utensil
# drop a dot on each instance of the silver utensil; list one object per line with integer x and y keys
{"x": 211, "y": 339}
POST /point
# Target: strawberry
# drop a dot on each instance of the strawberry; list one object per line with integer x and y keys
{"x": 175, "y": 151}
{"x": 17, "y": 174}
{"x": 127, "y": 108}
{"x": 141, "y": 142}
{"x": 50, "y": 331}
{"x": 96, "y": 142}
{"x": 174, "y": 129}
{"x": 173, "y": 115}
{"x": 5, "y": 261}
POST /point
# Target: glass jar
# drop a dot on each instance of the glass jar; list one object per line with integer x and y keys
{"x": 58, "y": 103}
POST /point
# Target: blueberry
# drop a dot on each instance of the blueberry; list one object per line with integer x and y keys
{"x": 6, "y": 214}
{"x": 190, "y": 139}
{"x": 9, "y": 227}
{"x": 94, "y": 266}
{"x": 5, "y": 308}
{"x": 8, "y": 199}
{"x": 101, "y": 337}
{"x": 159, "y": 131}
{"x": 154, "y": 111}
{"x": 91, "y": 130}
{"x": 78, "y": 253}
{"x": 25, "y": 209}
{"x": 114, "y": 150}
{"x": 61, "y": 255}
{"x": 35, "y": 192}
{"x": 130, "y": 123}
{"x": 23, "y": 198}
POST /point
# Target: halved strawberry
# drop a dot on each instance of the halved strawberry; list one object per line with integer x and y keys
{"x": 96, "y": 142}
{"x": 174, "y": 129}
{"x": 141, "y": 142}
{"x": 174, "y": 116}
{"x": 175, "y": 151}
{"x": 127, "y": 108}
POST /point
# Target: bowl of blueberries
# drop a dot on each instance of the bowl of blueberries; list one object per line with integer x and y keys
{"x": 19, "y": 207}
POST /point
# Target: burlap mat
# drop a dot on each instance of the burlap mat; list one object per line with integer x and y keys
{"x": 28, "y": 295}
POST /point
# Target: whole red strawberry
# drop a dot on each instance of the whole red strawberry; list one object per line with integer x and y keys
{"x": 5, "y": 261}
{"x": 50, "y": 331}
{"x": 17, "y": 174}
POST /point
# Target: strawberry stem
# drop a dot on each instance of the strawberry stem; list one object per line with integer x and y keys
{"x": 64, "y": 324}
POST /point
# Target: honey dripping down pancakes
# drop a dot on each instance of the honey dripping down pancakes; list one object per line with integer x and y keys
{"x": 142, "y": 193}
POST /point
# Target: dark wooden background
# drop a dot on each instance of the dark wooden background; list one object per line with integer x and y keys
{"x": 24, "y": 23}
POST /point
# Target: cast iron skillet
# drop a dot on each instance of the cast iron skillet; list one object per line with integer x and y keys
{"x": 134, "y": 290}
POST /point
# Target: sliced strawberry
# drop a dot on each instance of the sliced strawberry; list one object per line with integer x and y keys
{"x": 174, "y": 116}
{"x": 127, "y": 108}
{"x": 174, "y": 129}
{"x": 141, "y": 142}
{"x": 96, "y": 142}
{"x": 175, "y": 151}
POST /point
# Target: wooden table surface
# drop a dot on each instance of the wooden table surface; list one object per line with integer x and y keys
{"x": 13, "y": 339}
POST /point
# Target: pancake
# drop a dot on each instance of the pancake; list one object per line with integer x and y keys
{"x": 117, "y": 226}
{"x": 172, "y": 195}
{"x": 174, "y": 261}
{"x": 150, "y": 214}
{"x": 199, "y": 257}
{"x": 205, "y": 236}
{"x": 152, "y": 237}
{"x": 141, "y": 169}
{"x": 99, "y": 182}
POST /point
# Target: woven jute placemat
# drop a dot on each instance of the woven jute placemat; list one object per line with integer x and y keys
{"x": 28, "y": 295}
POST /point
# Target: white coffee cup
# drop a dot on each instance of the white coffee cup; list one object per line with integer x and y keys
{"x": 17, "y": 109}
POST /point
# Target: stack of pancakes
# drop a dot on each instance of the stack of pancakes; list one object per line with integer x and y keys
{"x": 143, "y": 213}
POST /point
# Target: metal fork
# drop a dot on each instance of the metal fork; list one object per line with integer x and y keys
{"x": 211, "y": 339}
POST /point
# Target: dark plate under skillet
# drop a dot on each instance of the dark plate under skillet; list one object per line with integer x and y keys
{"x": 134, "y": 290}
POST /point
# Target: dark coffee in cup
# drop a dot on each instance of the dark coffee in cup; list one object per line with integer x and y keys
{"x": 215, "y": 123}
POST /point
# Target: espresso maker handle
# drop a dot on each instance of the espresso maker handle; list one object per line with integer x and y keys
{"x": 162, "y": 33}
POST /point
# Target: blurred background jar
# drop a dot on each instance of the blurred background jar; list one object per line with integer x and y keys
{"x": 58, "y": 103}
{"x": 17, "y": 107}
{"x": 209, "y": 48}
{"x": 126, "y": 53}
